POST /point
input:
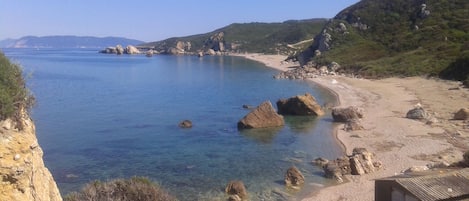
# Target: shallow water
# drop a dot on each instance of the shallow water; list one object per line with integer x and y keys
{"x": 106, "y": 116}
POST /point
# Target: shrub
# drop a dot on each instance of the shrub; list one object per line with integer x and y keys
{"x": 466, "y": 158}
{"x": 133, "y": 189}
{"x": 14, "y": 96}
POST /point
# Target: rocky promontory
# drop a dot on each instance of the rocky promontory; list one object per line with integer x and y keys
{"x": 24, "y": 175}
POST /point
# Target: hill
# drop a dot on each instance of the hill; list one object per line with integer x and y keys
{"x": 248, "y": 37}
{"x": 67, "y": 42}
{"x": 380, "y": 38}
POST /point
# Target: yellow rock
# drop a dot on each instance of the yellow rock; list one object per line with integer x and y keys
{"x": 24, "y": 176}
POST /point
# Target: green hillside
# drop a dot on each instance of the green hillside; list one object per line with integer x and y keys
{"x": 379, "y": 38}
{"x": 253, "y": 37}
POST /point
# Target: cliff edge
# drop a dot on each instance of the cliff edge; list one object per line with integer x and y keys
{"x": 22, "y": 170}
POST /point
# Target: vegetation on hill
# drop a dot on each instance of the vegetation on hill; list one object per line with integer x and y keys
{"x": 398, "y": 38}
{"x": 14, "y": 96}
{"x": 133, "y": 189}
{"x": 254, "y": 37}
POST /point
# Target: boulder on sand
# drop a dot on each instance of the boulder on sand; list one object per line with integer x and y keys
{"x": 347, "y": 114}
{"x": 417, "y": 113}
{"x": 462, "y": 114}
{"x": 263, "y": 116}
{"x": 299, "y": 105}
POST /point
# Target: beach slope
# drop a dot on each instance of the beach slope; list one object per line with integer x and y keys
{"x": 398, "y": 142}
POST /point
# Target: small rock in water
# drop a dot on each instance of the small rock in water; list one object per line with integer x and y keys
{"x": 248, "y": 107}
{"x": 321, "y": 162}
{"x": 71, "y": 176}
{"x": 185, "y": 124}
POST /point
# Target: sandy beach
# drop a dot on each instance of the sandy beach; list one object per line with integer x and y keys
{"x": 399, "y": 143}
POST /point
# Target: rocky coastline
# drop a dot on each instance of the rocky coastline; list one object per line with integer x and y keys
{"x": 214, "y": 45}
{"x": 395, "y": 143}
{"x": 24, "y": 175}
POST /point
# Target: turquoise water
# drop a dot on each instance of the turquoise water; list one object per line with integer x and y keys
{"x": 106, "y": 116}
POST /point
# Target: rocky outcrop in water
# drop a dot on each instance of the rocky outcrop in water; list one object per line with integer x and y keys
{"x": 118, "y": 49}
{"x": 263, "y": 116}
{"x": 185, "y": 124}
{"x": 24, "y": 176}
{"x": 299, "y": 105}
{"x": 236, "y": 190}
{"x": 294, "y": 178}
{"x": 131, "y": 50}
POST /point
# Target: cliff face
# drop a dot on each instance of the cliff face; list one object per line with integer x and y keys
{"x": 22, "y": 171}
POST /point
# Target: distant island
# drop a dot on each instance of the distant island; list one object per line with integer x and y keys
{"x": 67, "y": 42}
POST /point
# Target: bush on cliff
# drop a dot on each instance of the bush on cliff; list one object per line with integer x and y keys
{"x": 14, "y": 96}
{"x": 134, "y": 189}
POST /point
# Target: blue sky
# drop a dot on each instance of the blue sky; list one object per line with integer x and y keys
{"x": 150, "y": 20}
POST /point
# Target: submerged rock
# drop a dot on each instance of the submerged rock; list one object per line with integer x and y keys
{"x": 263, "y": 116}
{"x": 299, "y": 105}
{"x": 236, "y": 188}
{"x": 293, "y": 177}
{"x": 321, "y": 162}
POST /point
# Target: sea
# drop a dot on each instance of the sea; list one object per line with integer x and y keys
{"x": 102, "y": 117}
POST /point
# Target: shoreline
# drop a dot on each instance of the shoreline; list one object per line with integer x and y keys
{"x": 399, "y": 143}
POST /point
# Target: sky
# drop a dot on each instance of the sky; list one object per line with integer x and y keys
{"x": 150, "y": 20}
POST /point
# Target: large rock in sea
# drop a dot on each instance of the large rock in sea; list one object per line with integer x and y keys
{"x": 131, "y": 50}
{"x": 263, "y": 116}
{"x": 236, "y": 188}
{"x": 22, "y": 170}
{"x": 293, "y": 177}
{"x": 347, "y": 114}
{"x": 299, "y": 105}
{"x": 109, "y": 50}
{"x": 119, "y": 49}
{"x": 462, "y": 114}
